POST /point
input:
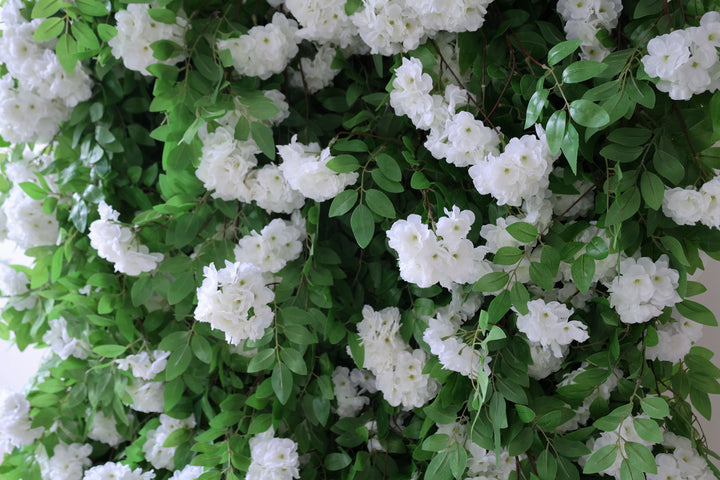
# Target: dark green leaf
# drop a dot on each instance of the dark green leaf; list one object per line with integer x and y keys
{"x": 337, "y": 461}
{"x": 201, "y": 348}
{"x": 625, "y": 206}
{"x": 491, "y": 282}
{"x": 162, "y": 15}
{"x": 656, "y": 407}
{"x": 519, "y": 297}
{"x": 380, "y": 203}
{"x": 597, "y": 248}
{"x": 583, "y": 270}
{"x": 263, "y": 136}
{"x": 507, "y": 256}
{"x": 569, "y": 147}
{"x": 697, "y": 312}
{"x": 583, "y": 70}
{"x": 419, "y": 181}
{"x": 630, "y": 137}
{"x": 535, "y": 107}
{"x": 293, "y": 360}
{"x": 601, "y": 460}
{"x": 342, "y": 203}
{"x": 555, "y": 130}
{"x": 343, "y": 163}
{"x": 676, "y": 249}
{"x": 640, "y": 457}
{"x": 282, "y": 382}
{"x": 653, "y": 189}
{"x": 522, "y": 232}
{"x": 363, "y": 225}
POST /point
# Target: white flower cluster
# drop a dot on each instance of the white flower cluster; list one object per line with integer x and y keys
{"x": 687, "y": 206}
{"x": 305, "y": 169}
{"x": 643, "y": 288}
{"x": 190, "y": 472}
{"x": 278, "y": 242}
{"x": 349, "y": 389}
{"x": 582, "y": 413}
{"x": 446, "y": 341}
{"x": 675, "y": 339}
{"x": 397, "y": 368}
{"x": 157, "y": 454}
{"x": 684, "y": 463}
{"x": 15, "y": 425}
{"x": 146, "y": 395}
{"x": 144, "y": 365}
{"x": 62, "y": 343}
{"x": 227, "y": 166}
{"x": 317, "y": 73}
{"x": 27, "y": 224}
{"x": 549, "y": 325}
{"x": 621, "y": 436}
{"x": 104, "y": 429}
{"x": 68, "y": 462}
{"x": 235, "y": 300}
{"x": 584, "y": 19}
{"x": 116, "y": 471}
{"x": 325, "y": 22}
{"x": 482, "y": 464}
{"x": 13, "y": 284}
{"x": 519, "y": 173}
{"x": 137, "y": 30}
{"x": 445, "y": 256}
{"x": 117, "y": 243}
{"x": 686, "y": 61}
{"x": 394, "y": 26}
{"x": 544, "y": 361}
{"x": 264, "y": 50}
{"x": 459, "y": 138}
{"x": 274, "y": 458}
{"x": 45, "y": 93}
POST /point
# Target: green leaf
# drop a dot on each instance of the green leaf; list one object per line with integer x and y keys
{"x": 65, "y": 49}
{"x": 522, "y": 232}
{"x": 630, "y": 137}
{"x": 201, "y": 348}
{"x": 419, "y": 181}
{"x": 625, "y": 206}
{"x": 385, "y": 183}
{"x": 263, "y": 360}
{"x": 588, "y": 114}
{"x": 78, "y": 215}
{"x": 583, "y": 70}
{"x": 349, "y": 145}
{"x": 436, "y": 442}
{"x": 337, "y": 461}
{"x": 173, "y": 393}
{"x": 293, "y": 360}
{"x": 263, "y": 136}
{"x": 356, "y": 349}
{"x": 522, "y": 442}
{"x": 583, "y": 270}
{"x": 561, "y": 51}
{"x": 109, "y": 351}
{"x": 363, "y": 225}
{"x": 49, "y": 28}
{"x": 542, "y": 276}
{"x": 491, "y": 282}
{"x": 519, "y": 297}
{"x": 86, "y": 38}
{"x": 546, "y": 466}
{"x": 92, "y": 8}
{"x": 667, "y": 164}
{"x": 526, "y": 414}
{"x": 457, "y": 458}
{"x": 33, "y": 191}
{"x": 183, "y": 286}
{"x": 652, "y": 189}
{"x": 507, "y": 256}
{"x": 555, "y": 130}
{"x": 640, "y": 457}
{"x": 676, "y": 249}
{"x": 178, "y": 363}
{"x": 342, "y": 203}
{"x": 601, "y": 460}
{"x": 597, "y": 248}
{"x": 535, "y": 107}
{"x": 648, "y": 430}
{"x": 343, "y": 163}
{"x": 621, "y": 153}
{"x": 162, "y": 15}
{"x": 389, "y": 167}
{"x": 655, "y": 407}
{"x": 380, "y": 203}
{"x": 45, "y": 8}
{"x": 177, "y": 437}
{"x": 696, "y": 312}
{"x": 282, "y": 382}
{"x": 569, "y": 147}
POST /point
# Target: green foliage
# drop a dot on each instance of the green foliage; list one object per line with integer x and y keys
{"x": 138, "y": 141}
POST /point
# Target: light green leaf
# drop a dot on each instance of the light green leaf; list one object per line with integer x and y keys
{"x": 555, "y": 130}
{"x": 526, "y": 414}
{"x": 45, "y": 8}
{"x": 656, "y": 407}
{"x": 583, "y": 70}
{"x": 588, "y": 114}
{"x": 33, "y": 191}
{"x": 491, "y": 282}
{"x": 640, "y": 457}
{"x": 601, "y": 460}
{"x": 109, "y": 351}
{"x": 522, "y": 232}
{"x": 507, "y": 256}
{"x": 49, "y": 28}
{"x": 343, "y": 163}
{"x": 561, "y": 51}
{"x": 569, "y": 147}
{"x": 583, "y": 270}
{"x": 342, "y": 203}
{"x": 162, "y": 15}
{"x": 652, "y": 189}
{"x": 625, "y": 206}
{"x": 293, "y": 360}
{"x": 535, "y": 107}
{"x": 263, "y": 360}
{"x": 696, "y": 312}
{"x": 263, "y": 136}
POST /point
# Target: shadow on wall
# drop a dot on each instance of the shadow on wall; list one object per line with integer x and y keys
{"x": 711, "y": 340}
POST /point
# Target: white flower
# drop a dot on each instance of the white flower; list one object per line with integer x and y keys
{"x": 68, "y": 461}
{"x": 116, "y": 471}
{"x": 273, "y": 458}
{"x": 147, "y": 397}
{"x": 62, "y": 343}
{"x": 305, "y": 169}
{"x": 144, "y": 365}
{"x": 235, "y": 300}
{"x": 15, "y": 425}
{"x": 117, "y": 243}
{"x": 104, "y": 429}
{"x": 157, "y": 454}
{"x": 549, "y": 325}
{"x": 276, "y": 244}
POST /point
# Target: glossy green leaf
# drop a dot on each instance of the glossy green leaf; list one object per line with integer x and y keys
{"x": 555, "y": 130}
{"x": 588, "y": 114}
{"x": 561, "y": 51}
{"x": 583, "y": 70}
{"x": 363, "y": 225}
